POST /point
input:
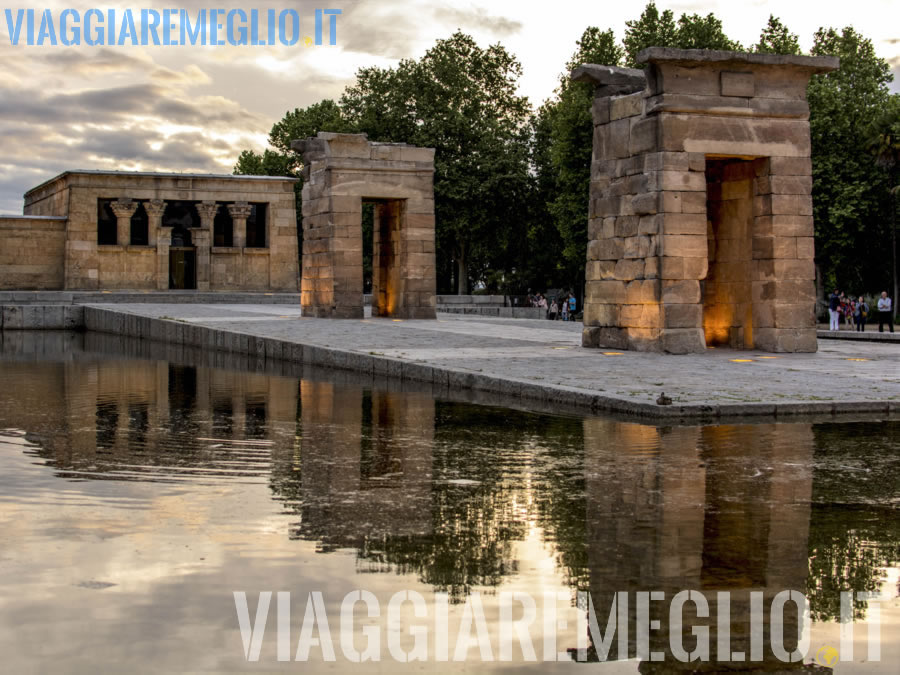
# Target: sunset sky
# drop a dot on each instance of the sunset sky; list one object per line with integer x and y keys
{"x": 194, "y": 108}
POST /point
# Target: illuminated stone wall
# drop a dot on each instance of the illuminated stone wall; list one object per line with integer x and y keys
{"x": 341, "y": 171}
{"x": 700, "y": 224}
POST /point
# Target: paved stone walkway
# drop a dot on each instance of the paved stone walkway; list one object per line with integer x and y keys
{"x": 857, "y": 376}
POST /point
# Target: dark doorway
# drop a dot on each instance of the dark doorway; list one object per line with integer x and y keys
{"x": 727, "y": 298}
{"x": 182, "y": 267}
{"x": 387, "y": 288}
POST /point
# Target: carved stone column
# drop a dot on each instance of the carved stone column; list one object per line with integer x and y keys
{"x": 239, "y": 211}
{"x": 160, "y": 238}
{"x": 202, "y": 240}
{"x": 124, "y": 209}
{"x": 154, "y": 209}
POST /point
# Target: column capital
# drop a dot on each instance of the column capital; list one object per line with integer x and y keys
{"x": 155, "y": 207}
{"x": 239, "y": 210}
{"x": 207, "y": 211}
{"x": 124, "y": 208}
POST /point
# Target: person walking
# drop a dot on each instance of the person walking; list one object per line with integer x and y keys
{"x": 834, "y": 304}
{"x": 861, "y": 312}
{"x": 572, "y": 305}
{"x": 564, "y": 308}
{"x": 554, "y": 310}
{"x": 885, "y": 315}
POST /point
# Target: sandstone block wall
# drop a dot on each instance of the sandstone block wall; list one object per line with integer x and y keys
{"x": 32, "y": 250}
{"x": 700, "y": 222}
{"x": 90, "y": 266}
{"x": 341, "y": 172}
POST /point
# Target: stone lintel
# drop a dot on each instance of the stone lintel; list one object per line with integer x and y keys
{"x": 697, "y": 57}
{"x": 610, "y": 80}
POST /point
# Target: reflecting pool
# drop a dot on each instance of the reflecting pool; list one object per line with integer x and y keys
{"x": 142, "y": 486}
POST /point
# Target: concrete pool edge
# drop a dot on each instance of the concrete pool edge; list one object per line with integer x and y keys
{"x": 119, "y": 321}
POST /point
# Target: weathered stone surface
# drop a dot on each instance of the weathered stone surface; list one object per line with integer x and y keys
{"x": 700, "y": 190}
{"x": 145, "y": 264}
{"x": 398, "y": 179}
{"x": 632, "y": 79}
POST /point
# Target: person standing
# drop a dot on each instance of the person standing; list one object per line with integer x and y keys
{"x": 834, "y": 304}
{"x": 554, "y": 310}
{"x": 572, "y": 306}
{"x": 885, "y": 315}
{"x": 564, "y": 308}
{"x": 861, "y": 312}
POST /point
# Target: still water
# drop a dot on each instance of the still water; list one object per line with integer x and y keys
{"x": 141, "y": 486}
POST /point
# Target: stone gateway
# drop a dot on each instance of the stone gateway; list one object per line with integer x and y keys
{"x": 700, "y": 223}
{"x": 341, "y": 172}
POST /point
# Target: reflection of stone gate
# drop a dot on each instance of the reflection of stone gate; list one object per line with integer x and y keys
{"x": 701, "y": 228}
{"x": 341, "y": 172}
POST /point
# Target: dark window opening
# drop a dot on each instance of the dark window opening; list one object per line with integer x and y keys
{"x": 106, "y": 223}
{"x": 181, "y": 237}
{"x": 223, "y": 227}
{"x": 223, "y": 417}
{"x": 181, "y": 214}
{"x": 256, "y": 226}
{"x": 107, "y": 423}
{"x": 255, "y": 420}
{"x": 138, "y": 424}
{"x": 140, "y": 227}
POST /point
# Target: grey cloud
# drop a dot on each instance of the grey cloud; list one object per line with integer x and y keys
{"x": 394, "y": 33}
{"x": 202, "y": 114}
{"x": 103, "y": 61}
{"x": 479, "y": 18}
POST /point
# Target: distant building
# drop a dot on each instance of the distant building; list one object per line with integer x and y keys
{"x": 110, "y": 230}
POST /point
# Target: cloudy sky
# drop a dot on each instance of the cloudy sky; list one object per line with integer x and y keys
{"x": 190, "y": 108}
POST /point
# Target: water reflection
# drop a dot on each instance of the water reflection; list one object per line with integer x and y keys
{"x": 460, "y": 496}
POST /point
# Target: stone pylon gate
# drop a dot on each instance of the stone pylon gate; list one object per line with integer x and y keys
{"x": 341, "y": 171}
{"x": 700, "y": 223}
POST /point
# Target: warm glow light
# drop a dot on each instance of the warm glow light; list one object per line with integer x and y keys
{"x": 613, "y": 354}
{"x": 741, "y": 360}
{"x": 397, "y": 320}
{"x": 857, "y": 359}
{"x": 767, "y": 357}
{"x": 562, "y": 348}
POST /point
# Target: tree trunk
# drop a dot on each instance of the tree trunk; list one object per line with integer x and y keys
{"x": 462, "y": 276}
{"x": 894, "y": 254}
{"x": 462, "y": 271}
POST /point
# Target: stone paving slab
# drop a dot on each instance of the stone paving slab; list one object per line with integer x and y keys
{"x": 867, "y": 336}
{"x": 535, "y": 359}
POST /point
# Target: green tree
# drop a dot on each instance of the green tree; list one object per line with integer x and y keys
{"x": 461, "y": 100}
{"x": 281, "y": 160}
{"x": 850, "y": 192}
{"x": 703, "y": 32}
{"x": 571, "y": 141}
{"x": 655, "y": 29}
{"x": 884, "y": 145}
{"x": 775, "y": 38}
{"x": 652, "y": 29}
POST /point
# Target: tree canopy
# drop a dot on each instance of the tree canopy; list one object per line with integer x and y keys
{"x": 512, "y": 183}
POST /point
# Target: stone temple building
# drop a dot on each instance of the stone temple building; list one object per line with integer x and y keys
{"x": 99, "y": 230}
{"x": 700, "y": 223}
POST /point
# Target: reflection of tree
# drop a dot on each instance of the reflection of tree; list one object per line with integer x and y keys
{"x": 471, "y": 544}
{"x": 493, "y": 474}
{"x": 853, "y": 535}
{"x": 849, "y": 547}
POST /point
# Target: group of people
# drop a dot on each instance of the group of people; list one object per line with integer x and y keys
{"x": 857, "y": 311}
{"x": 561, "y": 307}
